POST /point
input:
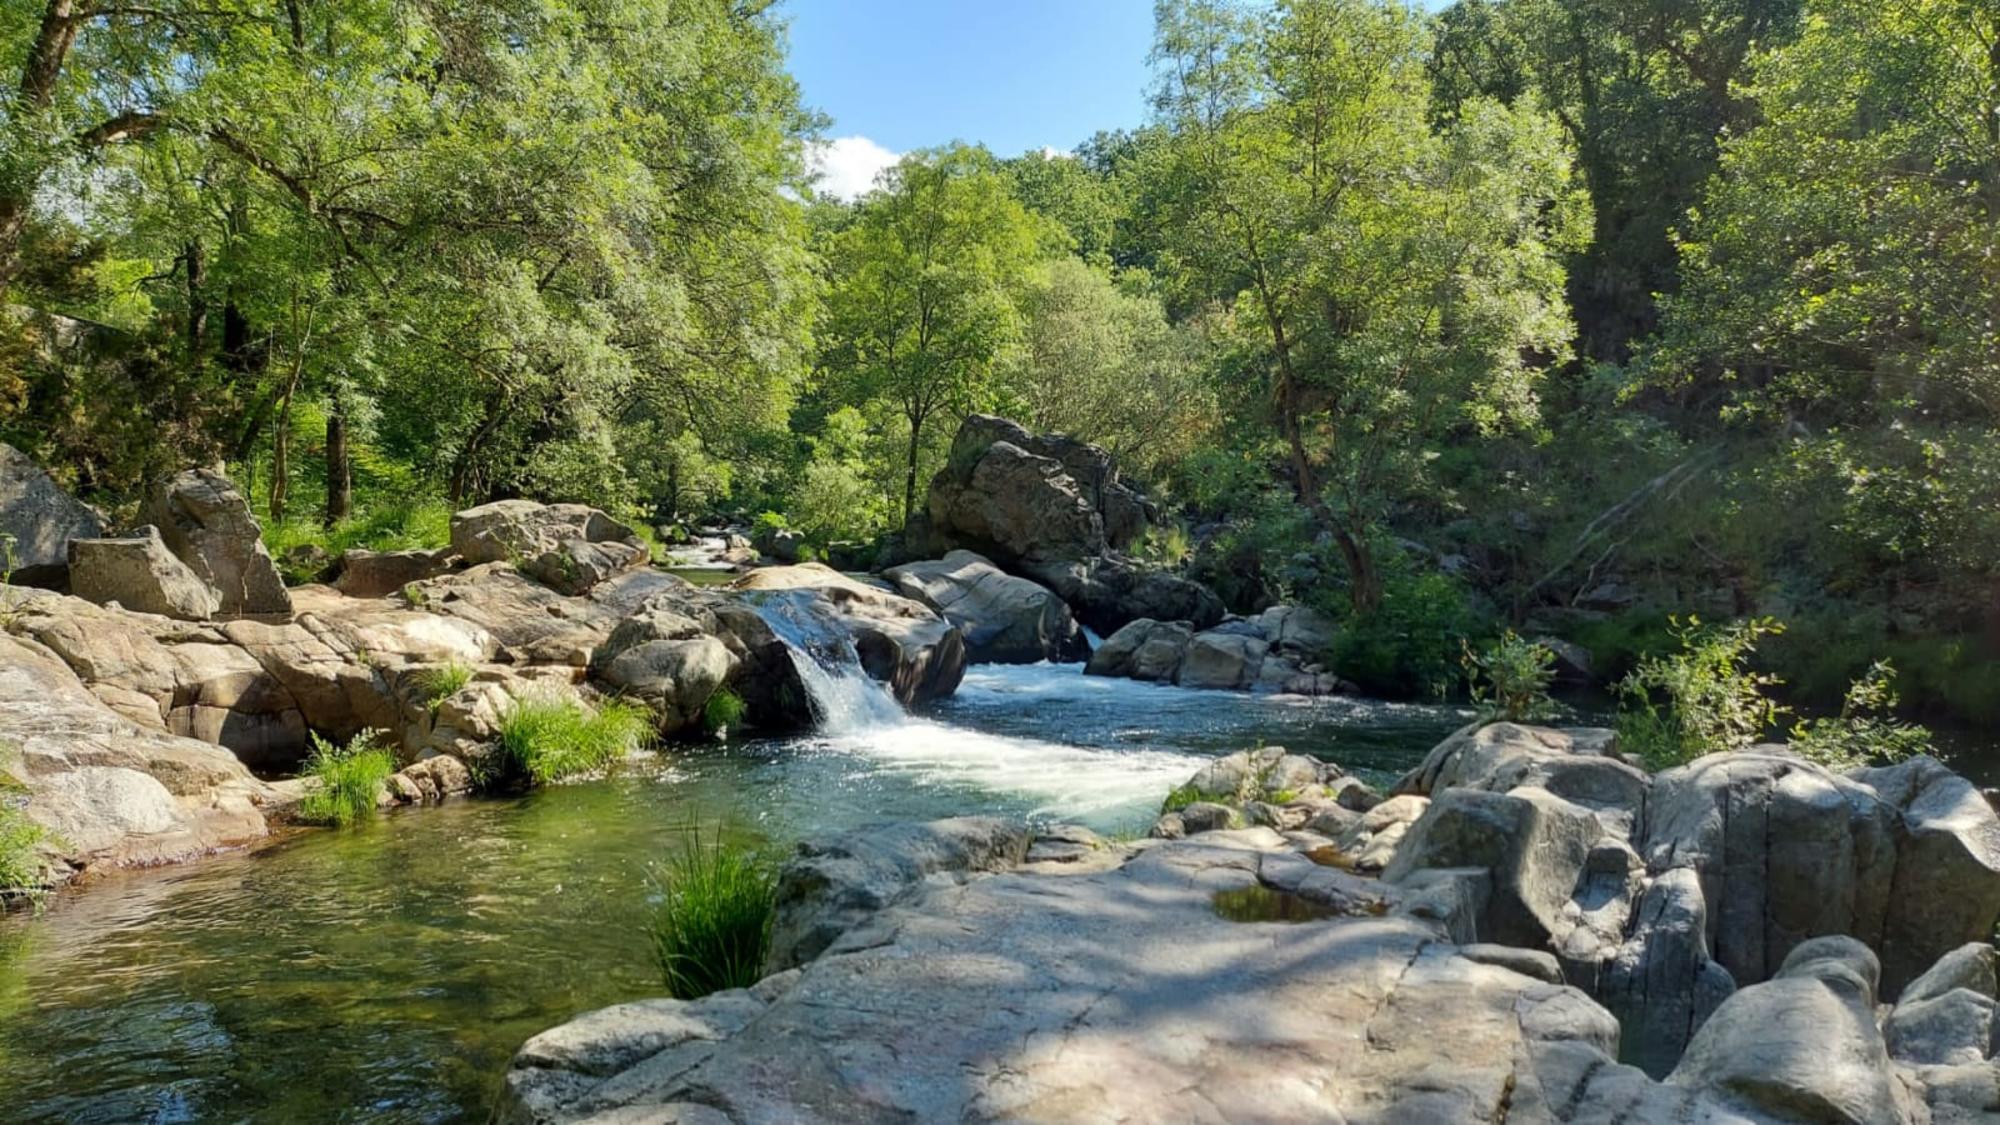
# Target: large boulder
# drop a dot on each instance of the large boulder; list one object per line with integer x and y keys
{"x": 1905, "y": 858}
{"x": 207, "y": 522}
{"x": 832, "y": 884}
{"x": 1052, "y": 509}
{"x": 110, "y": 791}
{"x": 1006, "y": 620}
{"x": 1577, "y": 764}
{"x": 374, "y": 574}
{"x": 569, "y": 548}
{"x": 1802, "y": 1046}
{"x": 674, "y": 677}
{"x": 1109, "y": 592}
{"x": 1535, "y": 845}
{"x": 901, "y": 642}
{"x": 139, "y": 573}
{"x": 40, "y": 519}
{"x": 1221, "y": 660}
{"x": 1143, "y": 650}
{"x": 1156, "y": 989}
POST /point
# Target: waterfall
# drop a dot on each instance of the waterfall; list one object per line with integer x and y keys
{"x": 844, "y": 698}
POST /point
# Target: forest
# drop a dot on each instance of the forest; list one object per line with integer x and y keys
{"x": 1576, "y": 317}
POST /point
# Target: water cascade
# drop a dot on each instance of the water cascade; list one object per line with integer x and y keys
{"x": 844, "y": 699}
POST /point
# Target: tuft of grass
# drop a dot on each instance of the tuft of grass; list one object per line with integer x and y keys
{"x": 23, "y": 871}
{"x": 444, "y": 680}
{"x": 546, "y": 738}
{"x": 350, "y": 779}
{"x": 723, "y": 711}
{"x": 1180, "y": 798}
{"x": 712, "y": 926}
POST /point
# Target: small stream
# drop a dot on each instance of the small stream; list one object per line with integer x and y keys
{"x": 388, "y": 972}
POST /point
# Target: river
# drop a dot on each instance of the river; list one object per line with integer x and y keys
{"x": 388, "y": 972}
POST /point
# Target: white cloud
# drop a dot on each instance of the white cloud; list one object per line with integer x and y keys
{"x": 1051, "y": 152}
{"x": 846, "y": 166}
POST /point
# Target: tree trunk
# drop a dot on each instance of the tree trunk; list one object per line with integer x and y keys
{"x": 197, "y": 312}
{"x": 910, "y": 476}
{"x": 1364, "y": 582}
{"x": 281, "y": 447}
{"x": 281, "y": 456}
{"x": 39, "y": 74}
{"x": 339, "y": 468}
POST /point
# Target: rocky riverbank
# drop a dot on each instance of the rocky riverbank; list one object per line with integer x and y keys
{"x": 136, "y": 707}
{"x": 1556, "y": 937}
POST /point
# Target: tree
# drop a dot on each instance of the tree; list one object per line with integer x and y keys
{"x": 1644, "y": 89}
{"x": 1102, "y": 363}
{"x": 922, "y": 304}
{"x": 1075, "y": 196}
{"x": 1390, "y": 288}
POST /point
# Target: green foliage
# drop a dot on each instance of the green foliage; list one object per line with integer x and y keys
{"x": 1510, "y": 679}
{"x": 1181, "y": 798}
{"x": 444, "y": 681}
{"x": 723, "y": 711}
{"x": 712, "y": 924}
{"x": 1865, "y": 732}
{"x": 23, "y": 871}
{"x": 415, "y": 526}
{"x": 922, "y": 307}
{"x": 1404, "y": 646}
{"x": 1705, "y": 698}
{"x": 1098, "y": 360}
{"x": 348, "y": 779}
{"x": 1164, "y": 545}
{"x": 545, "y": 738}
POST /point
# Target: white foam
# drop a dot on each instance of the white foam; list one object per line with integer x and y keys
{"x": 1068, "y": 781}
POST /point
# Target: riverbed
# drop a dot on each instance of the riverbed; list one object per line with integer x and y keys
{"x": 388, "y": 972}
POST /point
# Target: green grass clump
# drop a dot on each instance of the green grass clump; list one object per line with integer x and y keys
{"x": 545, "y": 738}
{"x": 1180, "y": 798}
{"x": 22, "y": 869}
{"x": 350, "y": 779}
{"x": 723, "y": 711}
{"x": 712, "y": 925}
{"x": 443, "y": 681}
{"x": 421, "y": 525}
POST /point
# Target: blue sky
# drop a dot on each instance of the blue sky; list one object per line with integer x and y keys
{"x": 1012, "y": 74}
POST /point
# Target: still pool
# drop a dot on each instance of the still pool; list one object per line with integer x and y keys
{"x": 386, "y": 973}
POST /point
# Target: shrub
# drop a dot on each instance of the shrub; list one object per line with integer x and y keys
{"x": 1865, "y": 731}
{"x": 443, "y": 681}
{"x": 413, "y": 526}
{"x": 545, "y": 738}
{"x": 350, "y": 779}
{"x": 1510, "y": 679}
{"x": 1166, "y": 545}
{"x": 724, "y": 710}
{"x": 1704, "y": 698}
{"x": 22, "y": 869}
{"x": 712, "y": 926}
{"x": 1404, "y": 646}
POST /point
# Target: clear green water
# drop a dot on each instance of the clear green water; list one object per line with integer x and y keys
{"x": 387, "y": 973}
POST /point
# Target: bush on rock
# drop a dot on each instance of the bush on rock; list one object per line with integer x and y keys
{"x": 547, "y": 738}
{"x": 350, "y": 779}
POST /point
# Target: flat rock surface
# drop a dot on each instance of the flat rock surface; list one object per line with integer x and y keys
{"x": 1119, "y": 995}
